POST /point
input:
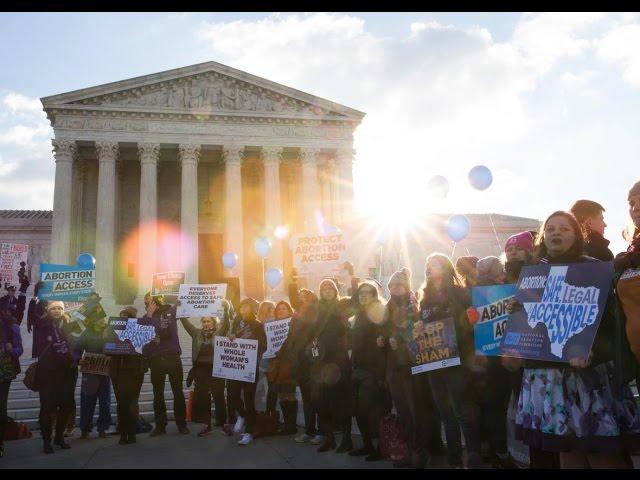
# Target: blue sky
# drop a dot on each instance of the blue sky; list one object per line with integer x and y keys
{"x": 550, "y": 102}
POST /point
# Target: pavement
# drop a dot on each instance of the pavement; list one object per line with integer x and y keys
{"x": 175, "y": 451}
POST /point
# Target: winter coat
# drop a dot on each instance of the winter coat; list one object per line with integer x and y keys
{"x": 597, "y": 246}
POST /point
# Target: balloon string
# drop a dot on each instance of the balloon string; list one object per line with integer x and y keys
{"x": 495, "y": 233}
{"x": 453, "y": 250}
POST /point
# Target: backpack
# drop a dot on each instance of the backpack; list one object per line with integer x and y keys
{"x": 30, "y": 377}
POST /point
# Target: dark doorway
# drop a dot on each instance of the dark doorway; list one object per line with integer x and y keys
{"x": 210, "y": 268}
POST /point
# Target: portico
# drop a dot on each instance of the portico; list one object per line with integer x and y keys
{"x": 170, "y": 170}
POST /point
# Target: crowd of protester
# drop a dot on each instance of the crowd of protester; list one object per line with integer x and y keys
{"x": 349, "y": 357}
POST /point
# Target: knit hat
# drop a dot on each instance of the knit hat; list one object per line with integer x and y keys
{"x": 523, "y": 240}
{"x": 635, "y": 190}
{"x": 253, "y": 303}
{"x": 331, "y": 283}
{"x": 402, "y": 276}
{"x": 489, "y": 268}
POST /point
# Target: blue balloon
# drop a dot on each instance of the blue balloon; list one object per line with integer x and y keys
{"x": 381, "y": 237}
{"x": 263, "y": 246}
{"x": 229, "y": 260}
{"x": 332, "y": 229}
{"x": 458, "y": 227}
{"x": 86, "y": 260}
{"x": 274, "y": 277}
{"x": 480, "y": 177}
{"x": 438, "y": 186}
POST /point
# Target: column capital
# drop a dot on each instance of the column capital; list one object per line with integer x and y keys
{"x": 345, "y": 155}
{"x": 272, "y": 155}
{"x": 309, "y": 156}
{"x": 188, "y": 153}
{"x": 233, "y": 154}
{"x": 149, "y": 152}
{"x": 64, "y": 150}
{"x": 107, "y": 151}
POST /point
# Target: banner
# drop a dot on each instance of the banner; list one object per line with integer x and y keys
{"x": 434, "y": 345}
{"x": 319, "y": 254}
{"x": 95, "y": 363}
{"x": 167, "y": 283}
{"x": 11, "y": 254}
{"x": 491, "y": 305}
{"x": 201, "y": 300}
{"x": 562, "y": 306}
{"x": 277, "y": 332}
{"x": 129, "y": 336}
{"x": 66, "y": 282}
{"x": 235, "y": 360}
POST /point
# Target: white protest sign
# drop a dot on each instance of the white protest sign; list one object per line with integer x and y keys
{"x": 319, "y": 254}
{"x": 11, "y": 254}
{"x": 235, "y": 360}
{"x": 201, "y": 300}
{"x": 276, "y": 332}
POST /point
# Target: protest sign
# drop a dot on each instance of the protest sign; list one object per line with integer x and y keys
{"x": 129, "y": 337}
{"x": 11, "y": 254}
{"x": 276, "y": 332}
{"x": 235, "y": 360}
{"x": 167, "y": 284}
{"x": 562, "y": 306}
{"x": 66, "y": 282}
{"x": 319, "y": 254}
{"x": 433, "y": 345}
{"x": 201, "y": 300}
{"x": 491, "y": 305}
{"x": 95, "y": 363}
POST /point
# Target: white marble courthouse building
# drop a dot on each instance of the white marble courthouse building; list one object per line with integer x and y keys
{"x": 210, "y": 152}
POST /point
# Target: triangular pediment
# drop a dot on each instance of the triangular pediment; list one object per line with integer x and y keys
{"x": 207, "y": 88}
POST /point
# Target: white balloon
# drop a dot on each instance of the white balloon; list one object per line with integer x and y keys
{"x": 274, "y": 277}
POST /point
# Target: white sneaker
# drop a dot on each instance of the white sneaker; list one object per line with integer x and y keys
{"x": 246, "y": 439}
{"x": 317, "y": 440}
{"x": 304, "y": 438}
{"x": 237, "y": 428}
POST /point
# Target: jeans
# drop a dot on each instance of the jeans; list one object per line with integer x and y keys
{"x": 4, "y": 396}
{"x": 161, "y": 366}
{"x": 243, "y": 399}
{"x": 451, "y": 388}
{"x": 95, "y": 387}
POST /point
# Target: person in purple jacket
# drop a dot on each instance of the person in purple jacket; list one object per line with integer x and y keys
{"x": 163, "y": 354}
{"x": 10, "y": 351}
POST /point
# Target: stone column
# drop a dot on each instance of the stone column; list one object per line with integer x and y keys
{"x": 189, "y": 155}
{"x": 310, "y": 187}
{"x": 233, "y": 241}
{"x": 328, "y": 190}
{"x": 147, "y": 227}
{"x": 65, "y": 152}
{"x": 105, "y": 218}
{"x": 344, "y": 186}
{"x": 272, "y": 208}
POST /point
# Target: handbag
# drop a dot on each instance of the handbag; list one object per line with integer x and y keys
{"x": 31, "y": 377}
{"x": 273, "y": 369}
{"x": 393, "y": 445}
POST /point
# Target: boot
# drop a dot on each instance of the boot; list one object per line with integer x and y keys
{"x": 328, "y": 444}
{"x": 61, "y": 424}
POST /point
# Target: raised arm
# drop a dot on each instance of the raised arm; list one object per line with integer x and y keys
{"x": 191, "y": 329}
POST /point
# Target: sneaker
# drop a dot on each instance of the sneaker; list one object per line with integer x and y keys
{"x": 227, "y": 429}
{"x": 246, "y": 439}
{"x": 205, "y": 432}
{"x": 304, "y": 438}
{"x": 237, "y": 428}
{"x": 317, "y": 440}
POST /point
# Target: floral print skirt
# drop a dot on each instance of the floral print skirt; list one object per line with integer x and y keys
{"x": 568, "y": 409}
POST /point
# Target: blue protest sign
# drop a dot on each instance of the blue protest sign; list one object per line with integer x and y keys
{"x": 562, "y": 306}
{"x": 67, "y": 283}
{"x": 128, "y": 337}
{"x": 433, "y": 345}
{"x": 490, "y": 304}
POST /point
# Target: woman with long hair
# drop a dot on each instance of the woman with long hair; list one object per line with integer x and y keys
{"x": 578, "y": 409}
{"x": 443, "y": 296}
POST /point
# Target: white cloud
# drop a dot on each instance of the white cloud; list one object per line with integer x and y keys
{"x": 6, "y": 168}
{"x": 620, "y": 47}
{"x": 18, "y": 103}
{"x": 24, "y": 136}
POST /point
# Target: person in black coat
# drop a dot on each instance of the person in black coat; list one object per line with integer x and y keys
{"x": 35, "y": 313}
{"x": 590, "y": 216}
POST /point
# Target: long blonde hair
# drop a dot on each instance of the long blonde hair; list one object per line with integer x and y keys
{"x": 266, "y": 311}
